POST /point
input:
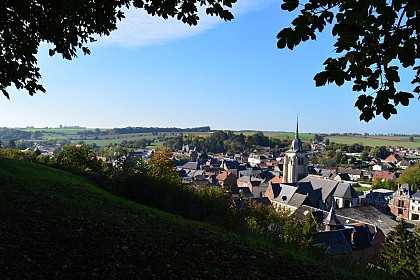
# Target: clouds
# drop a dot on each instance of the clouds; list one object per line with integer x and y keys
{"x": 139, "y": 28}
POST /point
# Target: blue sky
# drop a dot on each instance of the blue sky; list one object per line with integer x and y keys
{"x": 228, "y": 75}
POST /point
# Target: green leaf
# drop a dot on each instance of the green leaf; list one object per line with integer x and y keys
{"x": 289, "y": 5}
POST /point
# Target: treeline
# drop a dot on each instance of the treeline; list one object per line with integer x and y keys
{"x": 129, "y": 130}
{"x": 7, "y": 134}
{"x": 229, "y": 142}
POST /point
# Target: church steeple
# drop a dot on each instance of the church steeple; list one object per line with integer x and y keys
{"x": 296, "y": 143}
{"x": 295, "y": 165}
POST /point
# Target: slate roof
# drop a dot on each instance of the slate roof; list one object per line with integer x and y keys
{"x": 331, "y": 219}
{"x": 345, "y": 190}
{"x": 361, "y": 235}
{"x": 306, "y": 188}
{"x": 297, "y": 200}
{"x": 368, "y": 215}
{"x": 327, "y": 186}
{"x": 231, "y": 164}
{"x": 335, "y": 241}
{"x": 191, "y": 165}
{"x": 286, "y": 193}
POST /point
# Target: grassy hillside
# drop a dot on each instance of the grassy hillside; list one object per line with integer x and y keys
{"x": 57, "y": 225}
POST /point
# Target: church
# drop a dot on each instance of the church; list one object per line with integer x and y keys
{"x": 295, "y": 165}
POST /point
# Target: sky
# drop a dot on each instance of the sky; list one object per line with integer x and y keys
{"x": 227, "y": 75}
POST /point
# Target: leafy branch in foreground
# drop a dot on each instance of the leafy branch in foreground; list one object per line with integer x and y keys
{"x": 374, "y": 39}
{"x": 69, "y": 25}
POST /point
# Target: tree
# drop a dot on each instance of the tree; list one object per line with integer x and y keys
{"x": 79, "y": 158}
{"x": 161, "y": 167}
{"x": 67, "y": 26}
{"x": 411, "y": 138}
{"x": 309, "y": 230}
{"x": 400, "y": 252}
{"x": 411, "y": 176}
{"x": 374, "y": 39}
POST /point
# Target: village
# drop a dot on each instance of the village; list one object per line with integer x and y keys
{"x": 351, "y": 222}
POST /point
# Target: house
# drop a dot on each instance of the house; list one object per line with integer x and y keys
{"x": 292, "y": 196}
{"x": 254, "y": 159}
{"x": 191, "y": 166}
{"x": 341, "y": 177}
{"x": 281, "y": 202}
{"x": 399, "y": 204}
{"x": 358, "y": 239}
{"x": 414, "y": 213}
{"x": 226, "y": 179}
{"x": 273, "y": 190}
{"x": 230, "y": 166}
{"x": 257, "y": 186}
{"x": 240, "y": 192}
{"x": 403, "y": 164}
{"x": 354, "y": 174}
{"x": 394, "y": 158}
{"x": 326, "y": 187}
{"x": 345, "y": 196}
{"x": 378, "y": 198}
{"x": 244, "y": 169}
{"x": 379, "y": 167}
{"x": 362, "y": 214}
{"x": 385, "y": 175}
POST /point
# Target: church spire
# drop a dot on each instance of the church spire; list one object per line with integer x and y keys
{"x": 297, "y": 127}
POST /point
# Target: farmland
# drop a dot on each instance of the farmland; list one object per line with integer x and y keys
{"x": 104, "y": 137}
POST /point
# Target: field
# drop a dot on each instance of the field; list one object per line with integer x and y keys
{"x": 74, "y": 135}
{"x": 387, "y": 141}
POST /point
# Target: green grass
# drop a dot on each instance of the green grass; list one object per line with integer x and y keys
{"x": 57, "y": 225}
{"x": 361, "y": 189}
{"x": 376, "y": 141}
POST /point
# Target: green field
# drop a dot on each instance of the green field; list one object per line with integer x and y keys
{"x": 375, "y": 141}
{"x": 67, "y": 133}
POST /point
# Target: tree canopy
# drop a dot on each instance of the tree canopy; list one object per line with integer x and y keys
{"x": 375, "y": 39}
{"x": 67, "y": 26}
{"x": 411, "y": 176}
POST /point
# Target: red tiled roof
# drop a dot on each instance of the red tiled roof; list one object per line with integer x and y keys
{"x": 277, "y": 180}
{"x": 384, "y": 175}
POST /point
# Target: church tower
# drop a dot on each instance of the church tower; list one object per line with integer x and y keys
{"x": 295, "y": 165}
